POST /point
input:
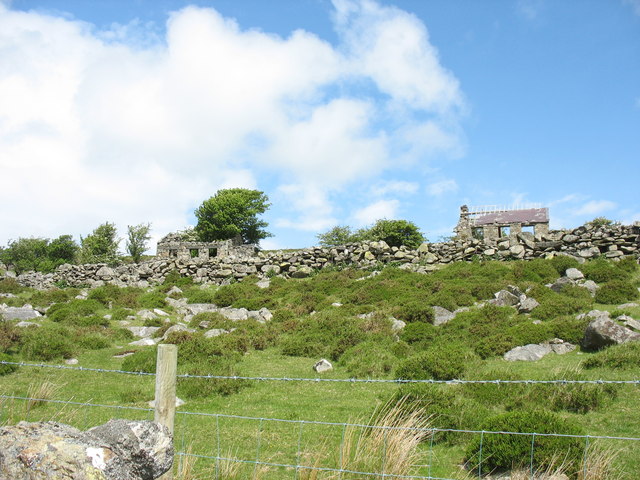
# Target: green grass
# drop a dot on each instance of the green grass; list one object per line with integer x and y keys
{"x": 336, "y": 332}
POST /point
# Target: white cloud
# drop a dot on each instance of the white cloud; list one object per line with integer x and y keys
{"x": 121, "y": 126}
{"x": 398, "y": 187}
{"x": 595, "y": 207}
{"x": 443, "y": 186}
{"x": 380, "y": 209}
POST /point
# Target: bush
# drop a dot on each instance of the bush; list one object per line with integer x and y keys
{"x": 537, "y": 270}
{"x": 174, "y": 279}
{"x": 47, "y": 343}
{"x": 215, "y": 319}
{"x": 74, "y": 308}
{"x": 602, "y": 271}
{"x": 562, "y": 263}
{"x": 10, "y": 336}
{"x": 419, "y": 333}
{"x": 506, "y": 452}
{"x": 569, "y": 329}
{"x": 198, "y": 295}
{"x": 616, "y": 292}
{"x": 415, "y": 312}
{"x": 443, "y": 361}
{"x": 206, "y": 387}
{"x": 626, "y": 355}
{"x": 10, "y": 285}
{"x": 152, "y": 300}
{"x": 372, "y": 358}
{"x": 93, "y": 341}
{"x": 7, "y": 369}
{"x": 127, "y": 297}
{"x": 142, "y": 361}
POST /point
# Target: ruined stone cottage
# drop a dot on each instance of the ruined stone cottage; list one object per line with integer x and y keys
{"x": 172, "y": 246}
{"x": 492, "y": 223}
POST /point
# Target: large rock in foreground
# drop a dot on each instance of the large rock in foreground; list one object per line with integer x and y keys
{"x": 602, "y": 332}
{"x": 117, "y": 450}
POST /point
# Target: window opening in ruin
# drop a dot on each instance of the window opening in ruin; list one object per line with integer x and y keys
{"x": 173, "y": 252}
{"x": 528, "y": 229}
{"x": 477, "y": 233}
{"x": 193, "y": 252}
{"x": 213, "y": 252}
{"x": 505, "y": 232}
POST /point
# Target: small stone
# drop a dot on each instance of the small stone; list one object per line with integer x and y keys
{"x": 323, "y": 365}
{"x": 574, "y": 274}
{"x": 71, "y": 361}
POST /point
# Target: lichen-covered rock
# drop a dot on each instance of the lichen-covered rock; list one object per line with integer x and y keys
{"x": 117, "y": 450}
{"x": 602, "y": 332}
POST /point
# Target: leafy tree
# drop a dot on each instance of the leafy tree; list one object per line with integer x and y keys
{"x": 101, "y": 246}
{"x": 600, "y": 222}
{"x": 394, "y": 232}
{"x": 137, "y": 238}
{"x": 339, "y": 235}
{"x": 39, "y": 254}
{"x": 232, "y": 212}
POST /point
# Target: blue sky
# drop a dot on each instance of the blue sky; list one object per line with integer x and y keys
{"x": 342, "y": 111}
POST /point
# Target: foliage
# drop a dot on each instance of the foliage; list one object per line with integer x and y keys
{"x": 373, "y": 358}
{"x": 111, "y": 295}
{"x": 442, "y": 361}
{"x": 232, "y": 212}
{"x": 143, "y": 360}
{"x": 624, "y": 356}
{"x": 4, "y": 368}
{"x": 10, "y": 337}
{"x": 564, "y": 262}
{"x": 77, "y": 312}
{"x": 616, "y": 291}
{"x": 137, "y": 238}
{"x": 39, "y": 254}
{"x": 100, "y": 246}
{"x": 415, "y": 311}
{"x": 396, "y": 233}
{"x": 505, "y": 452}
{"x": 339, "y": 235}
{"x": 47, "y": 343}
{"x": 600, "y": 222}
{"x": 11, "y": 285}
{"x": 601, "y": 270}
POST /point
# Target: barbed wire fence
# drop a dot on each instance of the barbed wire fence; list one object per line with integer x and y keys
{"x": 299, "y": 461}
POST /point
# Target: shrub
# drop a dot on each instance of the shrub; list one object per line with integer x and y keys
{"x": 198, "y": 295}
{"x": 443, "y": 361}
{"x": 120, "y": 313}
{"x": 10, "y": 336}
{"x": 554, "y": 304}
{"x": 615, "y": 292}
{"x": 152, "y": 300}
{"x": 10, "y": 285}
{"x": 215, "y": 319}
{"x": 562, "y": 263}
{"x": 537, "y": 270}
{"x": 602, "y": 271}
{"x": 75, "y": 308}
{"x": 626, "y": 355}
{"x": 419, "y": 333}
{"x": 372, "y": 358}
{"x": 205, "y": 387}
{"x": 142, "y": 361}
{"x": 173, "y": 278}
{"x": 93, "y": 341}
{"x": 569, "y": 329}
{"x": 4, "y": 368}
{"x": 505, "y": 452}
{"x": 415, "y": 312}
{"x": 47, "y": 343}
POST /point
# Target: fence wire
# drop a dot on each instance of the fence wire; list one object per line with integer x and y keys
{"x": 338, "y": 380}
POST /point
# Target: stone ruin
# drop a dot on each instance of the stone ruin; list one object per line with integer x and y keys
{"x": 492, "y": 224}
{"x": 172, "y": 246}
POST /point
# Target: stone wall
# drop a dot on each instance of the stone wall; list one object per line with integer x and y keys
{"x": 584, "y": 242}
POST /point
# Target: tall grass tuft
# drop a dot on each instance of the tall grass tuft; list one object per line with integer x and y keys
{"x": 387, "y": 447}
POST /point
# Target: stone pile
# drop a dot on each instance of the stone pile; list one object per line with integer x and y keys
{"x": 585, "y": 242}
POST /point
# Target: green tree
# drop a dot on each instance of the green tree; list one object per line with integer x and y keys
{"x": 101, "y": 246}
{"x": 396, "y": 233}
{"x": 600, "y": 222}
{"x": 232, "y": 212}
{"x": 137, "y": 238}
{"x": 39, "y": 254}
{"x": 339, "y": 235}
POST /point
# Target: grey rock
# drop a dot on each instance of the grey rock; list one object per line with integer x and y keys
{"x": 442, "y": 316}
{"x": 397, "y": 325}
{"x": 234, "y": 314}
{"x": 602, "y": 332}
{"x": 195, "y": 308}
{"x": 528, "y": 353}
{"x": 174, "y": 291}
{"x": 263, "y": 283}
{"x": 560, "y": 283}
{"x": 27, "y": 324}
{"x": 105, "y": 273}
{"x": 629, "y": 305}
{"x": 323, "y": 365}
{"x": 117, "y": 450}
{"x": 215, "y": 332}
{"x": 302, "y": 272}
{"x": 589, "y": 285}
{"x": 19, "y": 313}
{"x": 71, "y": 361}
{"x": 177, "y": 328}
{"x": 143, "y": 332}
{"x": 574, "y": 274}
{"x": 145, "y": 342}
{"x": 629, "y": 322}
{"x": 160, "y": 313}
{"x": 505, "y": 298}
{"x": 146, "y": 315}
{"x": 527, "y": 304}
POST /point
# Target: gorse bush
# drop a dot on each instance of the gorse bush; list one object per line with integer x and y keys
{"x": 373, "y": 358}
{"x": 616, "y": 291}
{"x": 442, "y": 361}
{"x": 498, "y": 451}
{"x": 624, "y": 356}
{"x": 602, "y": 271}
{"x": 141, "y": 361}
{"x": 47, "y": 343}
{"x": 562, "y": 263}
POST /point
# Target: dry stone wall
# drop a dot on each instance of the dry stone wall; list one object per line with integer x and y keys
{"x": 584, "y": 242}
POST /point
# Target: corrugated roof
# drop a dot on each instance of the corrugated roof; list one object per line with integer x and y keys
{"x": 530, "y": 215}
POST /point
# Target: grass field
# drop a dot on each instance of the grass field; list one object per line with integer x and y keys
{"x": 302, "y": 423}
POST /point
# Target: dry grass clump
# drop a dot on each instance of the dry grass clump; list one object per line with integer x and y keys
{"x": 39, "y": 393}
{"x": 387, "y": 447}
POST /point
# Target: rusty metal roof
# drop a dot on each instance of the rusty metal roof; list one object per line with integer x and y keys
{"x": 526, "y": 216}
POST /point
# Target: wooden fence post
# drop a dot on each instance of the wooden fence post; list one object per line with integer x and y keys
{"x": 165, "y": 401}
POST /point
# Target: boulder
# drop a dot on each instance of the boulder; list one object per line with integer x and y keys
{"x": 574, "y": 274}
{"x": 143, "y": 332}
{"x": 234, "y": 314}
{"x": 177, "y": 328}
{"x": 145, "y": 342}
{"x": 18, "y": 313}
{"x": 602, "y": 332}
{"x": 397, "y": 325}
{"x": 323, "y": 365}
{"x": 528, "y": 353}
{"x": 504, "y": 298}
{"x": 215, "y": 332}
{"x": 117, "y": 450}
{"x": 302, "y": 272}
{"x": 442, "y": 316}
{"x": 527, "y": 304}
